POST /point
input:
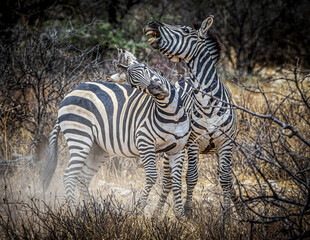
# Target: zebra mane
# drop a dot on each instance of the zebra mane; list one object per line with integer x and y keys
{"x": 214, "y": 45}
{"x": 212, "y": 41}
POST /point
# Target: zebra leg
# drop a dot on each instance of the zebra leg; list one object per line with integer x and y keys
{"x": 71, "y": 177}
{"x": 147, "y": 154}
{"x": 89, "y": 170}
{"x": 191, "y": 177}
{"x": 225, "y": 175}
{"x": 226, "y": 179}
{"x": 167, "y": 186}
{"x": 79, "y": 151}
{"x": 172, "y": 180}
{"x": 176, "y": 164}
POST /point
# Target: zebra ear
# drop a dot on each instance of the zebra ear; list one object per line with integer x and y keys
{"x": 206, "y": 24}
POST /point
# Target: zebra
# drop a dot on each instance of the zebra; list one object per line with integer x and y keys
{"x": 143, "y": 119}
{"x": 207, "y": 100}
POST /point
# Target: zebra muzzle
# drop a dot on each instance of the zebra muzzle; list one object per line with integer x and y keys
{"x": 153, "y": 35}
{"x": 152, "y": 32}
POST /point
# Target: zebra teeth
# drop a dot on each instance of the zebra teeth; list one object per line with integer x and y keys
{"x": 154, "y": 38}
{"x": 151, "y": 40}
{"x": 152, "y": 33}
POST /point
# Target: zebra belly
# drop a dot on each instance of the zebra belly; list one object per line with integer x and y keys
{"x": 169, "y": 137}
{"x": 204, "y": 141}
{"x": 208, "y": 132}
{"x": 171, "y": 145}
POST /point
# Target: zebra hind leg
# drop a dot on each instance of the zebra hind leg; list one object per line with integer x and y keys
{"x": 79, "y": 151}
{"x": 226, "y": 182}
{"x": 92, "y": 165}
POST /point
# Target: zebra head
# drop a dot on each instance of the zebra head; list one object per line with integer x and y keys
{"x": 179, "y": 43}
{"x": 148, "y": 80}
{"x": 126, "y": 57}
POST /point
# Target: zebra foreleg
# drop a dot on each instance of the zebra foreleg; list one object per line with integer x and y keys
{"x": 191, "y": 177}
{"x": 176, "y": 164}
{"x": 226, "y": 181}
{"x": 166, "y": 188}
{"x": 172, "y": 180}
{"x": 147, "y": 154}
{"x": 225, "y": 177}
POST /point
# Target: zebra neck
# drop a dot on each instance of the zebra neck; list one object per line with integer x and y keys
{"x": 185, "y": 92}
{"x": 202, "y": 70}
{"x": 210, "y": 97}
{"x": 171, "y": 104}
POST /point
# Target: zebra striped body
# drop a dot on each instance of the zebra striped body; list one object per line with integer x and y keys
{"x": 113, "y": 116}
{"x": 122, "y": 121}
{"x": 206, "y": 98}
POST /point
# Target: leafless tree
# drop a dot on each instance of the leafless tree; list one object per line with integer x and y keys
{"x": 275, "y": 151}
{"x": 35, "y": 73}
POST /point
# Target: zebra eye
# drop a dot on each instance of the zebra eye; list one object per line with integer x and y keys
{"x": 185, "y": 29}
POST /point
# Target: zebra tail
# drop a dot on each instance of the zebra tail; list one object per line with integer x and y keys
{"x": 51, "y": 161}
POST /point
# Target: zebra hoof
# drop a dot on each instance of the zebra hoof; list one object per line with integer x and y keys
{"x": 139, "y": 211}
{"x": 179, "y": 213}
{"x": 227, "y": 216}
{"x": 182, "y": 217}
{"x": 155, "y": 217}
{"x": 189, "y": 213}
{"x": 158, "y": 212}
{"x": 140, "y": 207}
{"x": 241, "y": 211}
{"x": 188, "y": 210}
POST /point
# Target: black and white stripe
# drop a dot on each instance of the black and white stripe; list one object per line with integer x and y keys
{"x": 206, "y": 98}
{"x": 123, "y": 121}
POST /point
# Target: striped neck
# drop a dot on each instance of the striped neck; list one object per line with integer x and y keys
{"x": 170, "y": 104}
{"x": 202, "y": 69}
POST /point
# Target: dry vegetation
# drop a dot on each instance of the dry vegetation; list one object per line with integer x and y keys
{"x": 271, "y": 166}
{"x": 42, "y": 59}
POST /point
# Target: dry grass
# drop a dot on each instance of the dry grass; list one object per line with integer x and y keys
{"x": 109, "y": 218}
{"x": 27, "y": 213}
